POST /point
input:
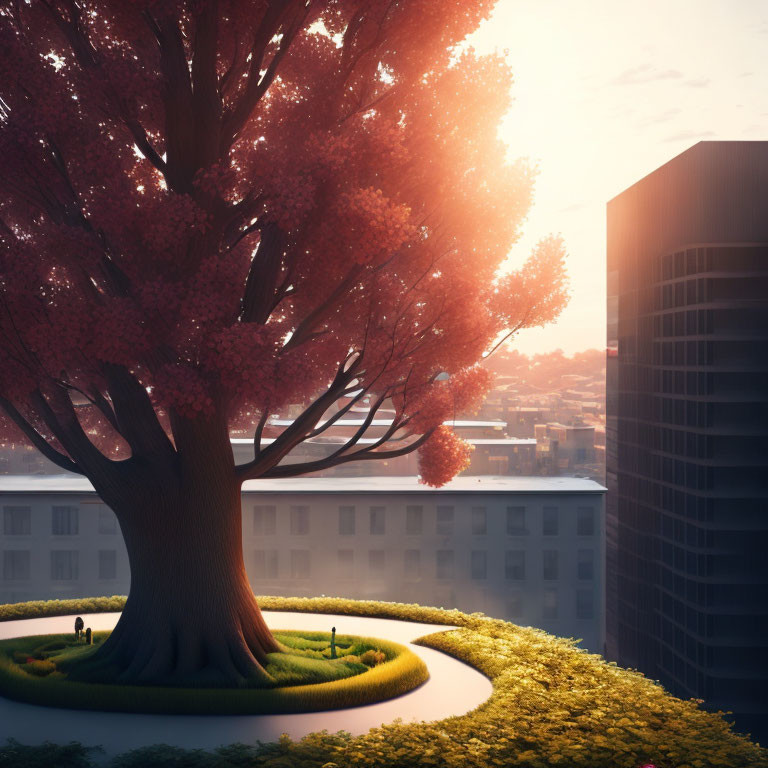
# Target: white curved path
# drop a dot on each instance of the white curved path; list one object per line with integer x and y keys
{"x": 453, "y": 688}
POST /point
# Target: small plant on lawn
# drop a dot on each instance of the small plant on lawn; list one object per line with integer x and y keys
{"x": 373, "y": 658}
{"x": 40, "y": 667}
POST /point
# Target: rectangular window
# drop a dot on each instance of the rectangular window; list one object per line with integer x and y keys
{"x": 479, "y": 564}
{"x": 107, "y": 521}
{"x": 585, "y": 564}
{"x": 549, "y": 604}
{"x": 265, "y": 520}
{"x": 16, "y": 565}
{"x": 550, "y": 521}
{"x": 444, "y": 521}
{"x": 345, "y": 560}
{"x": 516, "y": 521}
{"x": 64, "y": 565}
{"x": 377, "y": 521}
{"x": 300, "y": 564}
{"x": 412, "y": 564}
{"x": 17, "y": 521}
{"x": 64, "y": 521}
{"x": 107, "y": 563}
{"x": 514, "y": 564}
{"x": 265, "y": 564}
{"x": 414, "y": 520}
{"x": 299, "y": 521}
{"x": 515, "y": 604}
{"x": 549, "y": 563}
{"x": 585, "y": 521}
{"x": 346, "y": 521}
{"x": 479, "y": 521}
{"x": 445, "y": 563}
{"x": 585, "y": 604}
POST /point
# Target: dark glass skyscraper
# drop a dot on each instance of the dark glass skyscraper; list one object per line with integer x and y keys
{"x": 687, "y": 430}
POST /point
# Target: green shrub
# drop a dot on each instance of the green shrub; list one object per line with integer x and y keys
{"x": 40, "y": 608}
{"x": 372, "y": 658}
{"x": 40, "y": 667}
{"x": 46, "y": 755}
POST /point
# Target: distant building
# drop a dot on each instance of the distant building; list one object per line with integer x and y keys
{"x": 687, "y": 428}
{"x": 522, "y": 419}
{"x": 564, "y": 447}
{"x": 526, "y": 549}
{"x": 502, "y": 456}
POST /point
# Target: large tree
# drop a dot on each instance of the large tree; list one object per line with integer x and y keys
{"x": 210, "y": 209}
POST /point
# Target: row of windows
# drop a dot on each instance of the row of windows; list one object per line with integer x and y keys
{"x": 649, "y": 490}
{"x": 666, "y": 469}
{"x": 683, "y": 444}
{"x": 651, "y": 408}
{"x": 265, "y": 564}
{"x": 265, "y": 521}
{"x": 695, "y": 260}
{"x": 65, "y": 521}
{"x": 683, "y": 293}
{"x": 65, "y": 564}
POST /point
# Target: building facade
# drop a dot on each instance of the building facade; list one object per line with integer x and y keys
{"x": 529, "y": 550}
{"x": 687, "y": 428}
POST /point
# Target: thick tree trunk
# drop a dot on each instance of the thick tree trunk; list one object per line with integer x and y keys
{"x": 190, "y": 618}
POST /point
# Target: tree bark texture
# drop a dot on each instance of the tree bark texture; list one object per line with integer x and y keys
{"x": 191, "y": 617}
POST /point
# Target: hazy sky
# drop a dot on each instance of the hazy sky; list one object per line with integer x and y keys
{"x": 605, "y": 92}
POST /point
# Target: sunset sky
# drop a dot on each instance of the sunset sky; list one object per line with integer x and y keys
{"x": 606, "y": 92}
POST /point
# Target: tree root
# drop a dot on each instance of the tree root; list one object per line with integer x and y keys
{"x": 176, "y": 658}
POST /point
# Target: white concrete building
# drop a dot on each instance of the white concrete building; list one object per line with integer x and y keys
{"x": 528, "y": 549}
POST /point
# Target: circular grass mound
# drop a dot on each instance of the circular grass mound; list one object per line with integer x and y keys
{"x": 304, "y": 679}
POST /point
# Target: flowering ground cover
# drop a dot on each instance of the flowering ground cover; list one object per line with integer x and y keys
{"x": 553, "y": 704}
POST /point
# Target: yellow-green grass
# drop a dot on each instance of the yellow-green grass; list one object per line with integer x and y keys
{"x": 303, "y": 680}
{"x": 553, "y": 704}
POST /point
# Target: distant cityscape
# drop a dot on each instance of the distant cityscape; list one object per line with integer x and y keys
{"x": 545, "y": 416}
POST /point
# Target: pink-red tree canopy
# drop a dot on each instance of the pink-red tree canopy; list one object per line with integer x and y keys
{"x": 212, "y": 209}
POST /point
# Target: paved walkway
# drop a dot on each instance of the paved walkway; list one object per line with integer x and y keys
{"x": 453, "y": 688}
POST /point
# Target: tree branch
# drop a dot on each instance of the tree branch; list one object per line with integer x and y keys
{"x": 257, "y": 84}
{"x": 328, "y": 423}
{"x": 38, "y": 440}
{"x": 306, "y": 326}
{"x": 290, "y": 437}
{"x": 70, "y": 432}
{"x": 136, "y": 416}
{"x": 293, "y": 470}
{"x": 86, "y": 57}
{"x": 261, "y": 283}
